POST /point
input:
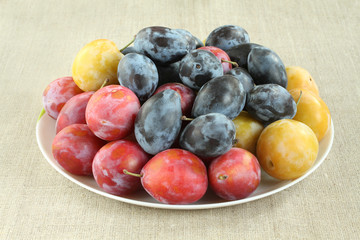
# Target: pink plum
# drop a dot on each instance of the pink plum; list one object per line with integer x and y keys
{"x": 74, "y": 148}
{"x": 111, "y": 112}
{"x": 235, "y": 174}
{"x": 110, "y": 162}
{"x": 73, "y": 111}
{"x": 175, "y": 176}
{"x": 57, "y": 93}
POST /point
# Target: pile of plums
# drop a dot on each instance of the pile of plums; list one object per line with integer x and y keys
{"x": 171, "y": 115}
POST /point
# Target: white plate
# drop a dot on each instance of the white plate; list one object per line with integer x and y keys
{"x": 45, "y": 133}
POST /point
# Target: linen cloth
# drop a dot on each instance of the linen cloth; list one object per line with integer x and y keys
{"x": 38, "y": 42}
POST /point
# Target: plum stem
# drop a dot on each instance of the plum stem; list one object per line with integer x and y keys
{"x": 184, "y": 118}
{"x": 299, "y": 98}
{"x": 132, "y": 174}
{"x": 231, "y": 62}
{"x": 235, "y": 141}
{"x": 105, "y": 82}
{"x": 128, "y": 44}
{"x": 222, "y": 177}
{"x": 41, "y": 114}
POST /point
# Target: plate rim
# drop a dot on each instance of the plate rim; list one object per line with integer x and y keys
{"x": 194, "y": 206}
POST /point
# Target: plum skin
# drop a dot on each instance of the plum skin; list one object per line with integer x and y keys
{"x": 111, "y": 112}
{"x": 175, "y": 176}
{"x": 73, "y": 111}
{"x": 57, "y": 93}
{"x": 110, "y": 162}
{"x": 74, "y": 148}
{"x": 187, "y": 95}
{"x": 235, "y": 174}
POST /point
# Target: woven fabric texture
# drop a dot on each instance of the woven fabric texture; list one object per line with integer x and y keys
{"x": 38, "y": 42}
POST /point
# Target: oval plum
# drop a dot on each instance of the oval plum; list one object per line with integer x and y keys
{"x": 235, "y": 174}
{"x": 209, "y": 135}
{"x": 158, "y": 122}
{"x": 265, "y": 67}
{"x": 223, "y": 94}
{"x": 270, "y": 102}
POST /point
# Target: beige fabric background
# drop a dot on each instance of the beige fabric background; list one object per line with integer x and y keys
{"x": 38, "y": 42}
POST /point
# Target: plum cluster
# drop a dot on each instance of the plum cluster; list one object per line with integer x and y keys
{"x": 167, "y": 113}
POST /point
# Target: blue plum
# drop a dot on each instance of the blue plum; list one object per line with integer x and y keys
{"x": 270, "y": 102}
{"x": 224, "y": 94}
{"x": 240, "y": 53}
{"x": 227, "y": 36}
{"x": 198, "y": 67}
{"x": 244, "y": 77}
{"x": 209, "y": 135}
{"x": 158, "y": 122}
{"x": 163, "y": 45}
{"x": 265, "y": 66}
{"x": 138, "y": 73}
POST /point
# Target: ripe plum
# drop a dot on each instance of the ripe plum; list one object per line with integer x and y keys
{"x": 111, "y": 112}
{"x": 227, "y": 36}
{"x": 57, "y": 93}
{"x": 74, "y": 148}
{"x": 270, "y": 102}
{"x": 209, "y": 135}
{"x": 161, "y": 44}
{"x": 158, "y": 122}
{"x": 110, "y": 162}
{"x": 73, "y": 111}
{"x": 138, "y": 73}
{"x": 198, "y": 67}
{"x": 265, "y": 66}
{"x": 223, "y": 94}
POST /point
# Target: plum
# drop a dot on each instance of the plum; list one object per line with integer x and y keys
{"x": 96, "y": 63}
{"x": 223, "y": 94}
{"x": 187, "y": 95}
{"x": 227, "y": 36}
{"x": 163, "y": 45}
{"x": 235, "y": 174}
{"x": 74, "y": 148}
{"x": 270, "y": 102}
{"x": 111, "y": 112}
{"x": 265, "y": 66}
{"x": 175, "y": 176}
{"x": 112, "y": 159}
{"x": 209, "y": 135}
{"x": 73, "y": 111}
{"x": 198, "y": 67}
{"x": 57, "y": 93}
{"x": 138, "y": 73}
{"x": 158, "y": 122}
